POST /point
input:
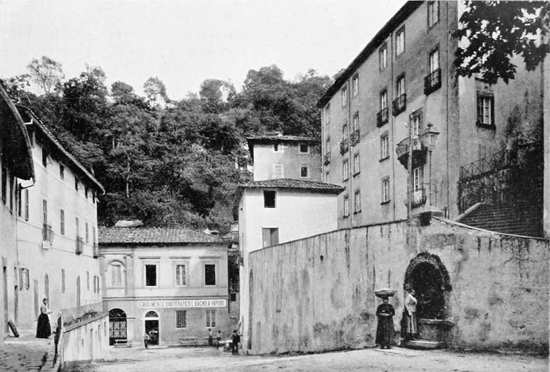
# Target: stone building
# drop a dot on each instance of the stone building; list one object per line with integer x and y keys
{"x": 56, "y": 232}
{"x": 281, "y": 156}
{"x": 277, "y": 211}
{"x": 15, "y": 162}
{"x": 171, "y": 281}
{"x": 460, "y": 128}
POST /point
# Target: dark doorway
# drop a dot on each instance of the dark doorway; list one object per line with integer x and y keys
{"x": 152, "y": 327}
{"x": 117, "y": 327}
{"x": 430, "y": 281}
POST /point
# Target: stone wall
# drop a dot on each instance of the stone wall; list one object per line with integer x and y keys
{"x": 317, "y": 293}
{"x": 85, "y": 340}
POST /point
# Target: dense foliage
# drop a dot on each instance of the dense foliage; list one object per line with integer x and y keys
{"x": 164, "y": 161}
{"x": 493, "y": 32}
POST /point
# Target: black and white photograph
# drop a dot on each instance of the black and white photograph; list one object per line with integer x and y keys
{"x": 274, "y": 185}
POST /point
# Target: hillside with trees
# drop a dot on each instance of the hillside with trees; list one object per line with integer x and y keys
{"x": 166, "y": 161}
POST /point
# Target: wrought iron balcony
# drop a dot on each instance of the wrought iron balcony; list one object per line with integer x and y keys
{"x": 326, "y": 158}
{"x": 382, "y": 117}
{"x": 432, "y": 82}
{"x": 47, "y": 236}
{"x": 79, "y": 245}
{"x": 344, "y": 146}
{"x": 419, "y": 152}
{"x": 399, "y": 104}
{"x": 419, "y": 197}
{"x": 355, "y": 137}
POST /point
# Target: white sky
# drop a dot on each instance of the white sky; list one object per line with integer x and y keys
{"x": 184, "y": 42}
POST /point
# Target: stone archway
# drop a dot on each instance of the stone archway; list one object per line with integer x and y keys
{"x": 429, "y": 278}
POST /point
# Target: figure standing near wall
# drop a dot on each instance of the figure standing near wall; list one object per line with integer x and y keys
{"x": 43, "y": 328}
{"x": 384, "y": 332}
{"x": 210, "y": 338}
{"x": 409, "y": 315}
{"x": 235, "y": 340}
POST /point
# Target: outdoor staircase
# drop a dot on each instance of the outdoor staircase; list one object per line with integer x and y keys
{"x": 510, "y": 218}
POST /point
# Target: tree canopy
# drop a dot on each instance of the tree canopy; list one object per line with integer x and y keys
{"x": 165, "y": 161}
{"x": 492, "y": 32}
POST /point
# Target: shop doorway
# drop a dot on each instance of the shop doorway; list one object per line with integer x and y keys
{"x": 117, "y": 327}
{"x": 152, "y": 327}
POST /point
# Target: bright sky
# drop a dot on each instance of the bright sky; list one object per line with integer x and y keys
{"x": 184, "y": 42}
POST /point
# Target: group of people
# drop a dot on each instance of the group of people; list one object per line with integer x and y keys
{"x": 385, "y": 313}
{"x": 235, "y": 340}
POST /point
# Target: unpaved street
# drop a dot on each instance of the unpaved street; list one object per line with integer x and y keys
{"x": 397, "y": 359}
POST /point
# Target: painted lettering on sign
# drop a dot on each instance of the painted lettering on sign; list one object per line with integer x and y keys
{"x": 182, "y": 303}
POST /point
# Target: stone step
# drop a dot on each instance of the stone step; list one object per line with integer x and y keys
{"x": 424, "y": 344}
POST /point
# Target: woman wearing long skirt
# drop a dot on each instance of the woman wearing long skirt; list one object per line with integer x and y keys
{"x": 411, "y": 328}
{"x": 43, "y": 329}
{"x": 384, "y": 331}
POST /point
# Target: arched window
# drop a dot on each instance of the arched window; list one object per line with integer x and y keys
{"x": 116, "y": 274}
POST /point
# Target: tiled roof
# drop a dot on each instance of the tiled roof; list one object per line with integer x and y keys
{"x": 294, "y": 184}
{"x": 279, "y": 138}
{"x": 153, "y": 235}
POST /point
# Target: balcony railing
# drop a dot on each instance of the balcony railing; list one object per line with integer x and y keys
{"x": 326, "y": 158}
{"x": 418, "y": 149}
{"x": 355, "y": 137}
{"x": 344, "y": 146}
{"x": 47, "y": 236}
{"x": 79, "y": 245}
{"x": 399, "y": 104}
{"x": 432, "y": 82}
{"x": 419, "y": 197}
{"x": 382, "y": 117}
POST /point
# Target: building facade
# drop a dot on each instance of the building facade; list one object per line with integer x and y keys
{"x": 56, "y": 233}
{"x": 277, "y": 211}
{"x": 280, "y": 156}
{"x": 405, "y": 79}
{"x": 15, "y": 163}
{"x": 171, "y": 283}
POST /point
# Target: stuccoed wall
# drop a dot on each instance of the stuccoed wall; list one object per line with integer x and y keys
{"x": 86, "y": 340}
{"x": 317, "y": 294}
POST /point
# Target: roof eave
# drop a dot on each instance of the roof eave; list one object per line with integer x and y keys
{"x": 37, "y": 123}
{"x": 407, "y": 9}
{"x": 22, "y": 163}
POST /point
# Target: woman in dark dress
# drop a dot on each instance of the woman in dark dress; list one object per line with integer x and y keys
{"x": 43, "y": 328}
{"x": 384, "y": 332}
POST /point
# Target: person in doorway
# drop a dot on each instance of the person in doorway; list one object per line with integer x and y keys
{"x": 210, "y": 337}
{"x": 43, "y": 328}
{"x": 219, "y": 338}
{"x": 384, "y": 331}
{"x": 235, "y": 340}
{"x": 146, "y": 339}
{"x": 411, "y": 328}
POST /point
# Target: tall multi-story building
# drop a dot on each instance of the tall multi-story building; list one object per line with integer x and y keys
{"x": 169, "y": 282}
{"x": 56, "y": 232}
{"x": 281, "y": 156}
{"x": 404, "y": 80}
{"x": 15, "y": 162}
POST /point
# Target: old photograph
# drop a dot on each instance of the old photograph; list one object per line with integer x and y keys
{"x": 274, "y": 185}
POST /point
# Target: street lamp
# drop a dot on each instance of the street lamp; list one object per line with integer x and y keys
{"x": 429, "y": 139}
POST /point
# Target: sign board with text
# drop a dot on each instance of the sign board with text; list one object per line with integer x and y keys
{"x": 185, "y": 304}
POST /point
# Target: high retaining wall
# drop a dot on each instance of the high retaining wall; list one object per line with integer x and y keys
{"x": 317, "y": 294}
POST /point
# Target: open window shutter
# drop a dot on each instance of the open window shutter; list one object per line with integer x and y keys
{"x": 266, "y": 237}
{"x": 275, "y": 236}
{"x": 492, "y": 110}
{"x": 479, "y": 109}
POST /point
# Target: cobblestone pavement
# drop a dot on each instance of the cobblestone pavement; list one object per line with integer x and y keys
{"x": 397, "y": 359}
{"x": 26, "y": 353}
